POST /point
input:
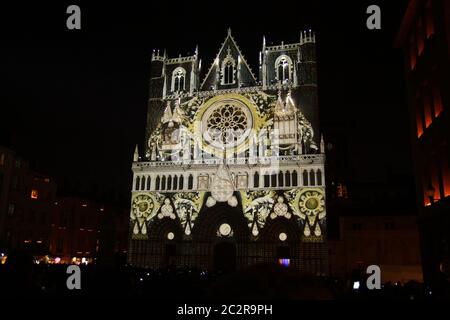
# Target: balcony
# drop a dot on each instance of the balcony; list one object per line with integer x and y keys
{"x": 250, "y": 161}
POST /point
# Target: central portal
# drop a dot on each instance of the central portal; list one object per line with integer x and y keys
{"x": 225, "y": 257}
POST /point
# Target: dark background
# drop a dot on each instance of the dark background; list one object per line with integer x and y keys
{"x": 74, "y": 102}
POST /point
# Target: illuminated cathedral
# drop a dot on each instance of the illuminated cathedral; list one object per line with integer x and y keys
{"x": 233, "y": 170}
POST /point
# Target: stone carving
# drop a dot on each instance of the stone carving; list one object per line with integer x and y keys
{"x": 167, "y": 210}
{"x": 280, "y": 209}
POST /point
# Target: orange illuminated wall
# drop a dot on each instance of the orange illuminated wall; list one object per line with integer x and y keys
{"x": 412, "y": 53}
{"x": 446, "y": 175}
{"x": 420, "y": 37}
{"x": 435, "y": 181}
{"x": 419, "y": 124}
{"x": 437, "y": 101}
{"x": 427, "y": 109}
{"x": 447, "y": 21}
{"x": 429, "y": 19}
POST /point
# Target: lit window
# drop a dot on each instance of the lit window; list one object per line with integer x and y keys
{"x": 34, "y": 194}
{"x": 228, "y": 69}
{"x": 47, "y": 180}
{"x": 178, "y": 79}
{"x": 228, "y": 73}
{"x": 283, "y": 69}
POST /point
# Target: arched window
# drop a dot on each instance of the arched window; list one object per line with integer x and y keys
{"x": 294, "y": 178}
{"x": 175, "y": 183}
{"x": 178, "y": 79}
{"x": 287, "y": 177}
{"x": 163, "y": 183}
{"x": 228, "y": 68}
{"x": 169, "y": 182}
{"x": 312, "y": 178}
{"x": 319, "y": 177}
{"x": 228, "y": 73}
{"x": 266, "y": 181}
{"x": 283, "y": 68}
{"x": 190, "y": 182}
{"x": 148, "y": 182}
{"x": 305, "y": 177}
{"x": 138, "y": 183}
{"x": 274, "y": 180}
{"x": 157, "y": 183}
{"x": 256, "y": 180}
{"x": 280, "y": 179}
{"x": 181, "y": 183}
{"x": 143, "y": 183}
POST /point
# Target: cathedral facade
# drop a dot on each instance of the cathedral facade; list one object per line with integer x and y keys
{"x": 233, "y": 171}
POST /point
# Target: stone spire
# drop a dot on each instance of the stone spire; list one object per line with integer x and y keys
{"x": 136, "y": 154}
{"x": 322, "y": 144}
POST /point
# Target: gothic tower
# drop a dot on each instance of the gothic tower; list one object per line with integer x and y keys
{"x": 233, "y": 171}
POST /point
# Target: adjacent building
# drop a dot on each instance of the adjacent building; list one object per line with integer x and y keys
{"x": 424, "y": 36}
{"x": 26, "y": 203}
{"x": 67, "y": 229}
{"x": 81, "y": 228}
{"x": 388, "y": 241}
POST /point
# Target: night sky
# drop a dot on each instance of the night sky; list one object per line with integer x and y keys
{"x": 74, "y": 103}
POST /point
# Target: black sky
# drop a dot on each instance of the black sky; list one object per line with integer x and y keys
{"x": 74, "y": 102}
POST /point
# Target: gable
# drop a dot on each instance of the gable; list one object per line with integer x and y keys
{"x": 230, "y": 54}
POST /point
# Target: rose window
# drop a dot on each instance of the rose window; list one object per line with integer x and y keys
{"x": 227, "y": 122}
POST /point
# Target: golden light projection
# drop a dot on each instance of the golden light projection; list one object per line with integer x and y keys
{"x": 309, "y": 205}
{"x": 143, "y": 208}
{"x": 226, "y": 121}
{"x": 311, "y": 202}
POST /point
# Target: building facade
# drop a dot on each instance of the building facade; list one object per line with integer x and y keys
{"x": 233, "y": 169}
{"x": 34, "y": 219}
{"x": 26, "y": 203}
{"x": 86, "y": 230}
{"x": 424, "y": 36}
{"x": 389, "y": 241}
